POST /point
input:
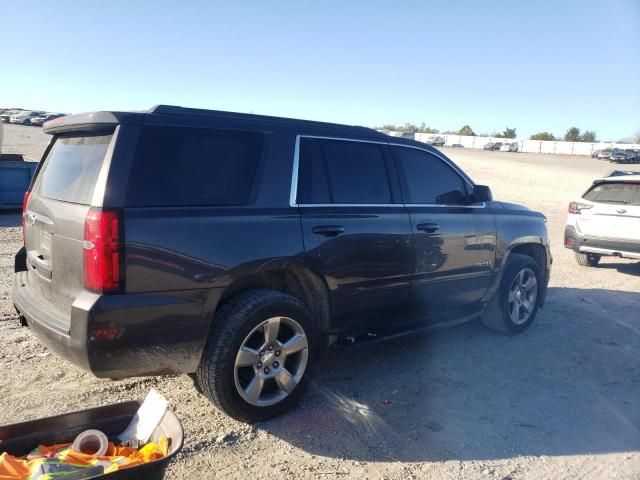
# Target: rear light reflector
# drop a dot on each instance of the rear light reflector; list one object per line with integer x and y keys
{"x": 102, "y": 251}
{"x": 25, "y": 202}
{"x": 577, "y": 207}
{"x": 568, "y": 242}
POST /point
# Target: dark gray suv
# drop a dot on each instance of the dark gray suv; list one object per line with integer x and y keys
{"x": 237, "y": 248}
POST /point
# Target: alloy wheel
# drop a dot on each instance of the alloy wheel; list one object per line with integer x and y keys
{"x": 271, "y": 361}
{"x": 522, "y": 296}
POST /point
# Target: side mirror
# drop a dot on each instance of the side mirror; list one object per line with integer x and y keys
{"x": 481, "y": 193}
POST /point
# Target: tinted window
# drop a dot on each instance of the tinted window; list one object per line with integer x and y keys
{"x": 619, "y": 192}
{"x": 336, "y": 171}
{"x": 71, "y": 169}
{"x": 427, "y": 179}
{"x": 178, "y": 166}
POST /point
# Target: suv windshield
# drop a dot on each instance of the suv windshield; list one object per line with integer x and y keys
{"x": 71, "y": 169}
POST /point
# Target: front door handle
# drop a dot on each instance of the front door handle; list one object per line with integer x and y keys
{"x": 328, "y": 230}
{"x": 428, "y": 227}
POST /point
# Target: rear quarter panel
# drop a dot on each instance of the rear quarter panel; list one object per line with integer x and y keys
{"x": 182, "y": 248}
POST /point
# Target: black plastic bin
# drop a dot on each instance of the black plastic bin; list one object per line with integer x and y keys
{"x": 19, "y": 439}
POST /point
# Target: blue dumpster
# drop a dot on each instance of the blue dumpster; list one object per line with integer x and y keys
{"x": 14, "y": 181}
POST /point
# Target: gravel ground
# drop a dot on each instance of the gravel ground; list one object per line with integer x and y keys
{"x": 560, "y": 401}
{"x": 29, "y": 141}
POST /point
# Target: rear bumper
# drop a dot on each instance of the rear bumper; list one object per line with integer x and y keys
{"x": 118, "y": 336}
{"x": 601, "y": 246}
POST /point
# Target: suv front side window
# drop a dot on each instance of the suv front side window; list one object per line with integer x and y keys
{"x": 427, "y": 180}
{"x": 342, "y": 172}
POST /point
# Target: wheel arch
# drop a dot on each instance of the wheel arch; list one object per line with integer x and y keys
{"x": 292, "y": 278}
{"x": 532, "y": 247}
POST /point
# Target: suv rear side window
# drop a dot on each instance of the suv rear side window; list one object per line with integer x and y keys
{"x": 72, "y": 167}
{"x": 181, "y": 166}
{"x": 342, "y": 172}
{"x": 426, "y": 179}
{"x": 615, "y": 192}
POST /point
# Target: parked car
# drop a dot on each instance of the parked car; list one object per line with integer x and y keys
{"x": 24, "y": 118}
{"x": 141, "y": 254}
{"x": 509, "y": 147}
{"x": 457, "y": 145}
{"x": 623, "y": 156}
{"x": 492, "y": 146}
{"x": 40, "y": 120}
{"x": 5, "y": 117}
{"x": 605, "y": 221}
{"x": 605, "y": 153}
{"x": 436, "y": 141}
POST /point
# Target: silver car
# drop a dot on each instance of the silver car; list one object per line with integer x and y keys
{"x": 24, "y": 118}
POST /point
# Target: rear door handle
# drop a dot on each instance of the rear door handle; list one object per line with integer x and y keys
{"x": 428, "y": 227}
{"x": 328, "y": 230}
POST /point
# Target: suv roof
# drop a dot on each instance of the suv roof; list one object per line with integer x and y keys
{"x": 196, "y": 115}
{"x": 620, "y": 175}
{"x": 169, "y": 114}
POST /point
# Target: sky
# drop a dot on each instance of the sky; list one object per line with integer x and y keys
{"x": 536, "y": 66}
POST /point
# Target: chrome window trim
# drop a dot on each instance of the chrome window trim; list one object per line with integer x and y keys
{"x": 481, "y": 205}
{"x": 294, "y": 174}
{"x": 351, "y": 205}
{"x": 296, "y": 168}
{"x": 437, "y": 205}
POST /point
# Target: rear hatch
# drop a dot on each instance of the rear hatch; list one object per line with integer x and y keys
{"x": 615, "y": 211}
{"x": 54, "y": 221}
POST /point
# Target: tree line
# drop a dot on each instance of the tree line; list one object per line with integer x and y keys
{"x": 573, "y": 134}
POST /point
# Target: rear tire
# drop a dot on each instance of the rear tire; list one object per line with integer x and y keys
{"x": 273, "y": 379}
{"x": 515, "y": 304}
{"x": 588, "y": 259}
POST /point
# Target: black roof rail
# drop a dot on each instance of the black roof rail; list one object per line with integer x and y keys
{"x": 177, "y": 110}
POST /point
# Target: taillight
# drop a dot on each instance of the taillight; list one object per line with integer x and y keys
{"x": 102, "y": 251}
{"x": 25, "y": 201}
{"x": 577, "y": 207}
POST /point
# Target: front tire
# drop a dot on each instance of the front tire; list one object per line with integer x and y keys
{"x": 588, "y": 259}
{"x": 260, "y": 355}
{"x": 515, "y": 304}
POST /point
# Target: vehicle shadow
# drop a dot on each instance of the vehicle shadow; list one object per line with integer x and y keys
{"x": 627, "y": 268}
{"x": 569, "y": 385}
{"x": 10, "y": 219}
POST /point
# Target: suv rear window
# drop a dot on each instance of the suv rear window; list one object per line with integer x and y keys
{"x": 71, "y": 169}
{"x": 615, "y": 192}
{"x": 182, "y": 166}
{"x": 342, "y": 172}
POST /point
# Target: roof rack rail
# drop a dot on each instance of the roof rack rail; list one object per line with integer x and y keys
{"x": 177, "y": 110}
{"x": 622, "y": 173}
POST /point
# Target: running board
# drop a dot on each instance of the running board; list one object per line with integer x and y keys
{"x": 375, "y": 337}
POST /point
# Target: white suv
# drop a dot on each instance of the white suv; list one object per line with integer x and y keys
{"x": 606, "y": 220}
{"x": 509, "y": 147}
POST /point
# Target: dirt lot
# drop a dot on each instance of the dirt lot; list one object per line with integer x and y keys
{"x": 560, "y": 401}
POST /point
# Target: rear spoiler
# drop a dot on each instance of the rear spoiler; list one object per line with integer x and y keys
{"x": 91, "y": 121}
